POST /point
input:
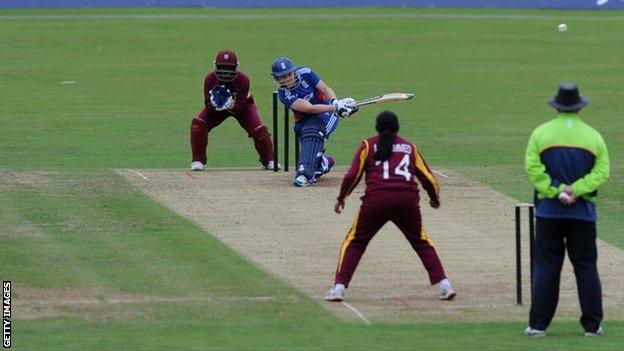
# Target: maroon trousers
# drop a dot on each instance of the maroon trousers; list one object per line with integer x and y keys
{"x": 376, "y": 210}
{"x": 248, "y": 118}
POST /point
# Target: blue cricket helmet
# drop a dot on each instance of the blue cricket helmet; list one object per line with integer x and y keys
{"x": 283, "y": 66}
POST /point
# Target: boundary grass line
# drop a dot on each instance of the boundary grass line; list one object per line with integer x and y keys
{"x": 310, "y": 17}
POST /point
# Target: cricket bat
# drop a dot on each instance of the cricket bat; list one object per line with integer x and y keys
{"x": 384, "y": 98}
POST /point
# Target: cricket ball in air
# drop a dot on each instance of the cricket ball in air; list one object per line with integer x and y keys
{"x": 562, "y": 28}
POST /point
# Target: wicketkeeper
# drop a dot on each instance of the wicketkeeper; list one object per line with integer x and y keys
{"x": 226, "y": 92}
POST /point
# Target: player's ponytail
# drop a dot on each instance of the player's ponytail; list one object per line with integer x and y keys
{"x": 387, "y": 126}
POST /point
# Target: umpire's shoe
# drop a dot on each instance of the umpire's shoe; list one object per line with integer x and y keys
{"x": 596, "y": 333}
{"x": 534, "y": 332}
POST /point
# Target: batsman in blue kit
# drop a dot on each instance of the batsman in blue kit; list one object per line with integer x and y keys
{"x": 316, "y": 111}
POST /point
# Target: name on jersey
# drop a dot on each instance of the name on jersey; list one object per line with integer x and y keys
{"x": 400, "y": 147}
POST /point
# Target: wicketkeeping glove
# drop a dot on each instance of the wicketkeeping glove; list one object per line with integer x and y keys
{"x": 221, "y": 98}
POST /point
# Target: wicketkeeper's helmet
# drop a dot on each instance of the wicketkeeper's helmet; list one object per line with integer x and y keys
{"x": 226, "y": 65}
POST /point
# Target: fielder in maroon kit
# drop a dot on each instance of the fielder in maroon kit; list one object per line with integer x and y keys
{"x": 391, "y": 164}
{"x": 226, "y": 92}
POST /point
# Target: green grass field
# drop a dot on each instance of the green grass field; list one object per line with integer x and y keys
{"x": 481, "y": 79}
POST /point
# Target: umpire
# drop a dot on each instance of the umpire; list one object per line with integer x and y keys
{"x": 566, "y": 160}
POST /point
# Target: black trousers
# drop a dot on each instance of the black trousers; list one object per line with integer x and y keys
{"x": 553, "y": 236}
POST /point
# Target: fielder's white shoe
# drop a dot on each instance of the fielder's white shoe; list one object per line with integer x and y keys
{"x": 446, "y": 290}
{"x": 336, "y": 294}
{"x": 534, "y": 332}
{"x": 301, "y": 181}
{"x": 197, "y": 166}
{"x": 596, "y": 333}
{"x": 269, "y": 166}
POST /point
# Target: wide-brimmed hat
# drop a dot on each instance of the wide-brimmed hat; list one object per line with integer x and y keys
{"x": 568, "y": 98}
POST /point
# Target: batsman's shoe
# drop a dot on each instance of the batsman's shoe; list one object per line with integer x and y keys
{"x": 197, "y": 166}
{"x": 534, "y": 332}
{"x": 270, "y": 165}
{"x": 301, "y": 181}
{"x": 336, "y": 294}
{"x": 446, "y": 292}
{"x": 596, "y": 333}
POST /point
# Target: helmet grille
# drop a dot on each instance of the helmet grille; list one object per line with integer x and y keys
{"x": 226, "y": 73}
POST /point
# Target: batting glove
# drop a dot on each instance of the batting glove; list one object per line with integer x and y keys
{"x": 348, "y": 112}
{"x": 343, "y": 103}
{"x": 344, "y": 107}
{"x": 349, "y": 102}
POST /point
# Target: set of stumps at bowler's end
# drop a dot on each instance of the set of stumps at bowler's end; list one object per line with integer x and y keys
{"x": 530, "y": 212}
{"x": 286, "y": 116}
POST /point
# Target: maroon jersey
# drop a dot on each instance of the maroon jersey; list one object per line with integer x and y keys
{"x": 239, "y": 88}
{"x": 397, "y": 174}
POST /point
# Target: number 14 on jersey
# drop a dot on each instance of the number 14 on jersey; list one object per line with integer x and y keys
{"x": 402, "y": 169}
